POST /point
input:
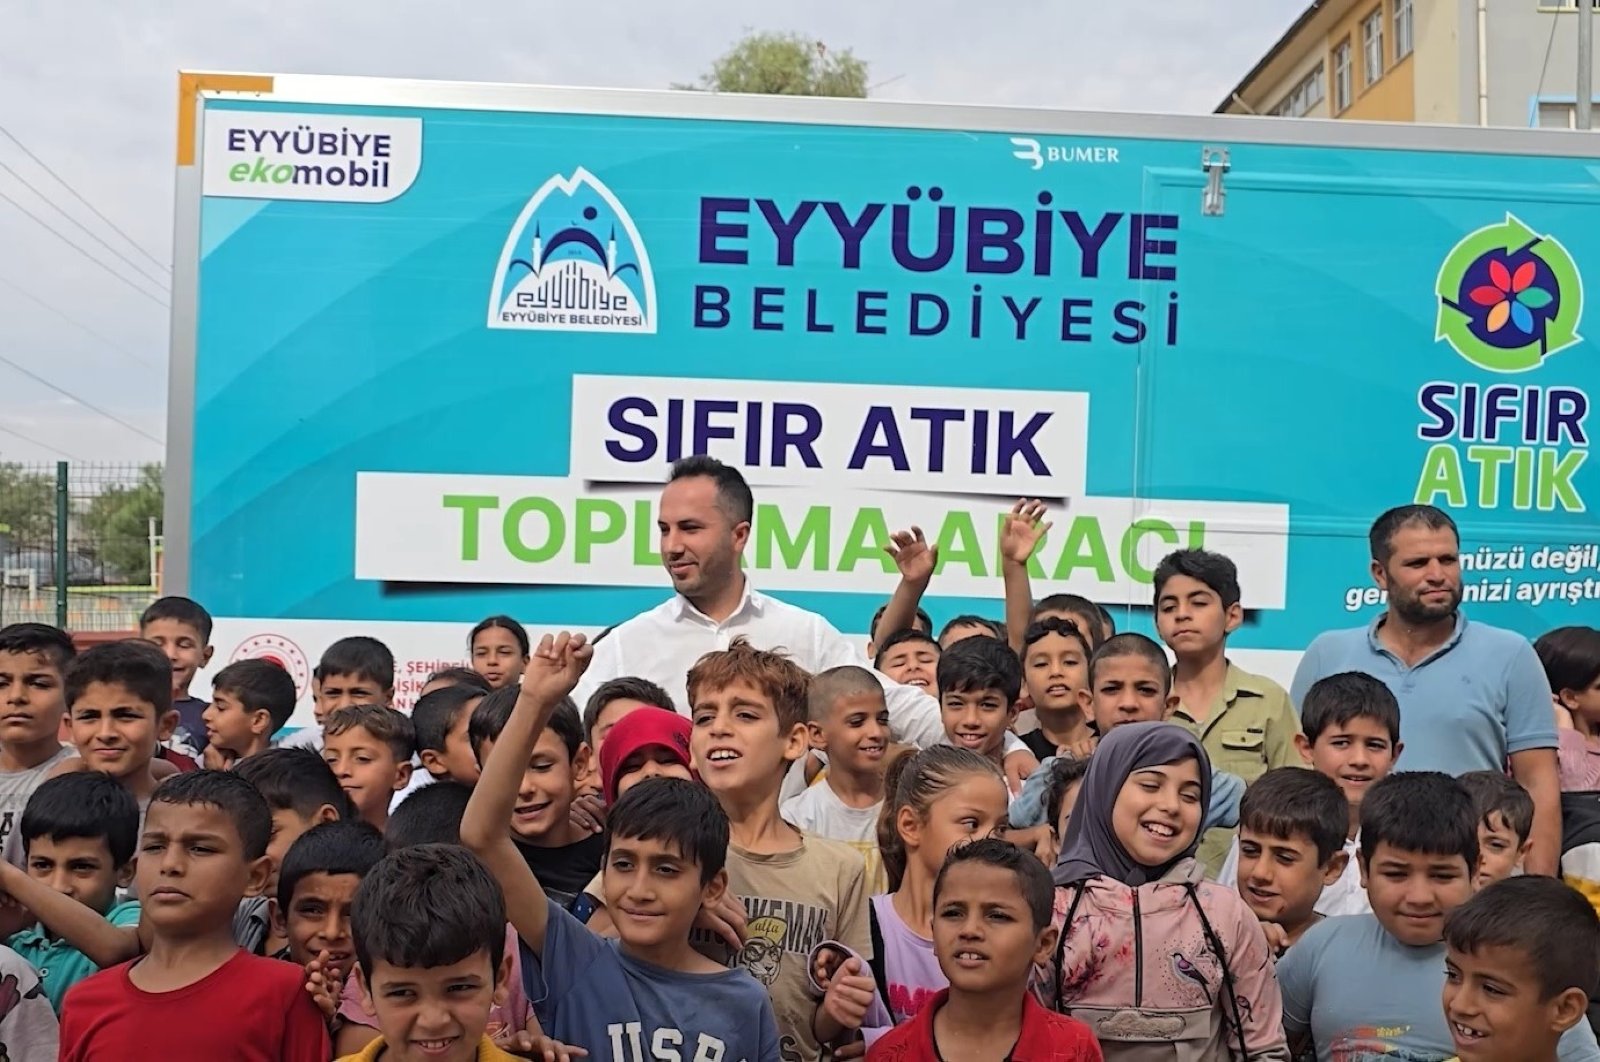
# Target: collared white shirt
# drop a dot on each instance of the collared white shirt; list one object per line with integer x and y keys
{"x": 665, "y": 642}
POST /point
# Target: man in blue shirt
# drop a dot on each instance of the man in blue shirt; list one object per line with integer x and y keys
{"x": 1472, "y": 697}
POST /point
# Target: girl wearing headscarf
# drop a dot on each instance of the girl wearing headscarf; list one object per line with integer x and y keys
{"x": 1160, "y": 963}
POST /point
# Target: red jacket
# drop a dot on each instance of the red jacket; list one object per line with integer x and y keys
{"x": 1046, "y": 1037}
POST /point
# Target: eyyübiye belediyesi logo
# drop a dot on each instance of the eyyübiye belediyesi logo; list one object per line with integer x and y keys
{"x": 574, "y": 262}
{"x": 1509, "y": 298}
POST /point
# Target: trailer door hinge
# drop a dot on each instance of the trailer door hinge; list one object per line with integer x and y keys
{"x": 1214, "y": 164}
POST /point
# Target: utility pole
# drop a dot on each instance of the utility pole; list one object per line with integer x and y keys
{"x": 1585, "y": 63}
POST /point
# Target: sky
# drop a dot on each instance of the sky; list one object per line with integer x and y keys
{"x": 89, "y": 88}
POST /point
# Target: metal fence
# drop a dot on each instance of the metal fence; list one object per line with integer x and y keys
{"x": 81, "y": 543}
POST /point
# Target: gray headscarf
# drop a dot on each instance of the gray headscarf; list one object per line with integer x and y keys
{"x": 1091, "y": 847}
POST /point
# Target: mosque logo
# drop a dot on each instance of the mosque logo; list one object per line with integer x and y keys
{"x": 574, "y": 262}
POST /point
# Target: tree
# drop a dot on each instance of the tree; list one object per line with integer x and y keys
{"x": 785, "y": 64}
{"x": 117, "y": 523}
{"x": 27, "y": 505}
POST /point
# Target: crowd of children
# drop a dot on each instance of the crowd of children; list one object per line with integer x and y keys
{"x": 1197, "y": 868}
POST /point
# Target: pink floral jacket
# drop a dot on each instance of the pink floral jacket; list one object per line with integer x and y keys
{"x": 1141, "y": 967}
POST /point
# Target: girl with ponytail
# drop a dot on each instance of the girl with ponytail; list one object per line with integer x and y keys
{"x": 934, "y": 800}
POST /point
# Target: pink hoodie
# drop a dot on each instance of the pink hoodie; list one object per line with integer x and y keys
{"x": 1138, "y": 966}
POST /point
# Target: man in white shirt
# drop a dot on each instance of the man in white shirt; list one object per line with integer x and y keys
{"x": 704, "y": 523}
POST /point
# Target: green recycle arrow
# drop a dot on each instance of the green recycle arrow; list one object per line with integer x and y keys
{"x": 1511, "y": 236}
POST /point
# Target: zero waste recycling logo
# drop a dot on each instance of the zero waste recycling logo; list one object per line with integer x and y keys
{"x": 1509, "y": 298}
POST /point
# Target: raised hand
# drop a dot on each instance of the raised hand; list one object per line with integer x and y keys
{"x": 555, "y": 667}
{"x": 912, "y": 555}
{"x": 1024, "y": 526}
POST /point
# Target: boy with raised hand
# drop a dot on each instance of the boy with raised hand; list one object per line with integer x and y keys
{"x": 564, "y": 854}
{"x": 1369, "y": 985}
{"x": 250, "y": 701}
{"x": 911, "y": 658}
{"x": 181, "y": 629}
{"x": 1522, "y": 960}
{"x": 649, "y": 990}
{"x": 748, "y": 711}
{"x": 877, "y": 630}
{"x": 33, "y": 664}
{"x": 78, "y": 835}
{"x": 991, "y": 928}
{"x": 195, "y": 994}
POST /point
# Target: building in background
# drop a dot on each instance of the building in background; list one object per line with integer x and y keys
{"x": 1464, "y": 62}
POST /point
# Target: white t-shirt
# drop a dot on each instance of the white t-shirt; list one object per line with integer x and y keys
{"x": 820, "y": 812}
{"x": 1343, "y": 897}
{"x": 16, "y": 788}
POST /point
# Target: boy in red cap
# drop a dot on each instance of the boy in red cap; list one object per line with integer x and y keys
{"x": 647, "y": 743}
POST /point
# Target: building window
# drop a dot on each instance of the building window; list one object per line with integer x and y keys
{"x": 1402, "y": 29}
{"x": 1341, "y": 75}
{"x": 1372, "y": 47}
{"x": 1306, "y": 95}
{"x": 1558, "y": 114}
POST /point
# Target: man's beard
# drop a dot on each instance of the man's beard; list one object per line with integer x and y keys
{"x": 1414, "y": 612}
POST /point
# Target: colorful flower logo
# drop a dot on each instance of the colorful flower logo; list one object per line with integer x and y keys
{"x": 1509, "y": 298}
{"x": 1512, "y": 298}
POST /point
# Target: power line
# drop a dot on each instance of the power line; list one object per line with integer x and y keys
{"x": 53, "y": 205}
{"x": 107, "y": 340}
{"x": 57, "y": 233}
{"x": 41, "y": 445}
{"x": 30, "y": 374}
{"x": 79, "y": 197}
